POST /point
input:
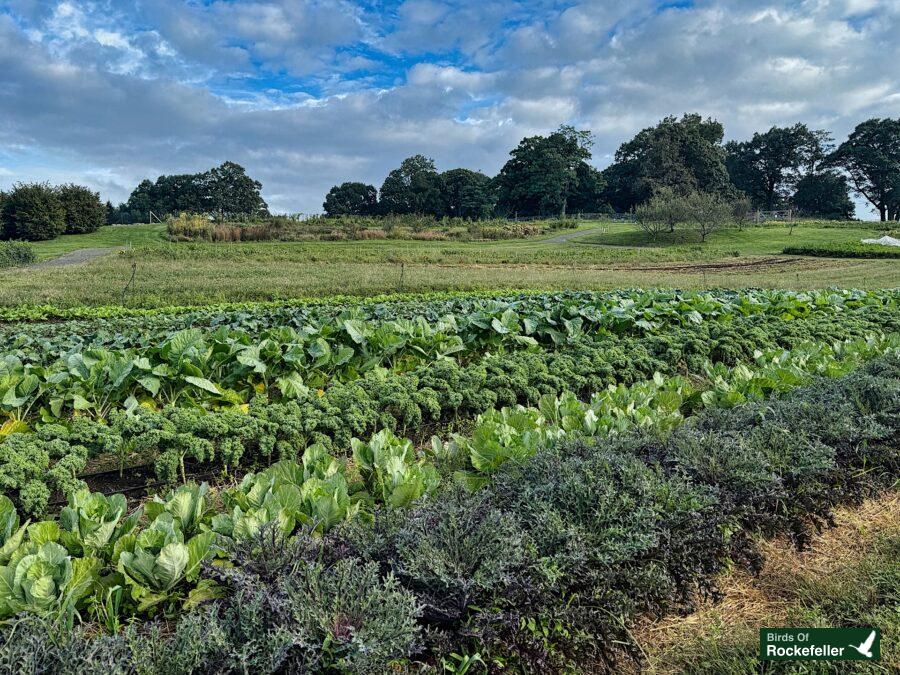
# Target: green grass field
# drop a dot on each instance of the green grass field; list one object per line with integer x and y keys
{"x": 106, "y": 237}
{"x": 603, "y": 255}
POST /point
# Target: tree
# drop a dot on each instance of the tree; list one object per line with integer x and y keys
{"x": 84, "y": 210}
{"x": 545, "y": 172}
{"x": 34, "y": 212}
{"x": 112, "y": 213}
{"x": 662, "y": 212}
{"x": 824, "y": 195}
{"x": 685, "y": 155}
{"x": 587, "y": 196}
{"x": 232, "y": 193}
{"x": 225, "y": 191}
{"x": 871, "y": 159}
{"x": 707, "y": 213}
{"x": 414, "y": 187}
{"x": 354, "y": 199}
{"x": 467, "y": 194}
{"x": 140, "y": 202}
{"x": 768, "y": 166}
{"x": 741, "y": 210}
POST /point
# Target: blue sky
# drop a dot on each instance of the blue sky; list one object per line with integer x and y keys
{"x": 308, "y": 93}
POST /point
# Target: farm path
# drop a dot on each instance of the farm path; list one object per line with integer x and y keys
{"x": 569, "y": 236}
{"x": 81, "y": 255}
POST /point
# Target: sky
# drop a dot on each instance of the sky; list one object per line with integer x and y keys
{"x": 309, "y": 93}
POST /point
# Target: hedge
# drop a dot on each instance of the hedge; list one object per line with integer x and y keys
{"x": 852, "y": 250}
{"x": 15, "y": 254}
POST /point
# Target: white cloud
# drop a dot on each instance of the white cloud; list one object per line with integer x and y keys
{"x": 309, "y": 94}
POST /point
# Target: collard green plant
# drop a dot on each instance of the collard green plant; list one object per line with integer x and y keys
{"x": 156, "y": 563}
{"x": 92, "y": 523}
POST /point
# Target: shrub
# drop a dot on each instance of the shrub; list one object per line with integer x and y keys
{"x": 15, "y": 254}
{"x": 33, "y": 212}
{"x": 848, "y": 250}
{"x": 84, "y": 212}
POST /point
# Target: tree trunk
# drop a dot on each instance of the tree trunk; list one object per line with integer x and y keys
{"x": 882, "y": 211}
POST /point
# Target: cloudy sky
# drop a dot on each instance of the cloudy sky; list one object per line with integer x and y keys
{"x": 308, "y": 93}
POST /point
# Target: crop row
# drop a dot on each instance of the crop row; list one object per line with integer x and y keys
{"x": 229, "y": 367}
{"x": 535, "y": 571}
{"x": 544, "y": 316}
{"x": 52, "y": 458}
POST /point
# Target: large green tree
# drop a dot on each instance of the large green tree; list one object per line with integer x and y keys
{"x": 34, "y": 212}
{"x": 84, "y": 212}
{"x": 544, "y": 173}
{"x": 769, "y": 165}
{"x": 684, "y": 155}
{"x": 232, "y": 193}
{"x": 467, "y": 194}
{"x": 413, "y": 187}
{"x": 870, "y": 157}
{"x": 824, "y": 195}
{"x": 351, "y": 198}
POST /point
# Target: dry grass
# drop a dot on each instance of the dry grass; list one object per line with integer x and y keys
{"x": 772, "y": 598}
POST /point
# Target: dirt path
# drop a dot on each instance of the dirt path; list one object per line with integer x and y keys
{"x": 81, "y": 255}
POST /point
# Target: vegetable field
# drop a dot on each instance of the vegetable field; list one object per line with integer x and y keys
{"x": 446, "y": 483}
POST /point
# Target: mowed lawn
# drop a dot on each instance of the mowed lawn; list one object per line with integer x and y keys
{"x": 604, "y": 255}
{"x": 111, "y": 236}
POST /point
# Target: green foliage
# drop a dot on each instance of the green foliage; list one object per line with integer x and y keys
{"x": 824, "y": 195}
{"x": 468, "y": 194}
{"x": 414, "y": 187}
{"x": 357, "y": 199}
{"x": 156, "y": 561}
{"x": 851, "y": 250}
{"x": 93, "y": 523}
{"x": 871, "y": 159}
{"x": 538, "y": 570}
{"x": 229, "y": 366}
{"x": 683, "y": 155}
{"x": 545, "y": 172}
{"x": 767, "y": 168}
{"x": 314, "y": 494}
{"x": 389, "y": 467}
{"x": 15, "y": 254}
{"x": 84, "y": 212}
{"x": 41, "y": 578}
{"x": 225, "y": 191}
{"x": 33, "y": 212}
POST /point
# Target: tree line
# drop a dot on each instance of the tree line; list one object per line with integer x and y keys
{"x": 40, "y": 211}
{"x": 785, "y": 167}
{"x": 225, "y": 192}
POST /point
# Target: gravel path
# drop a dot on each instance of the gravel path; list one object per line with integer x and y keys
{"x": 82, "y": 255}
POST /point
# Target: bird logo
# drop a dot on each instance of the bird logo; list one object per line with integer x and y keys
{"x": 866, "y": 647}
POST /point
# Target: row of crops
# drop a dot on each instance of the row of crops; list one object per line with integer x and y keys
{"x": 462, "y": 483}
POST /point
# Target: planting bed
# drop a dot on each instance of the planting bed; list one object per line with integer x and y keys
{"x": 419, "y": 484}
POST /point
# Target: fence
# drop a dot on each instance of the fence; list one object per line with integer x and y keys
{"x": 776, "y": 216}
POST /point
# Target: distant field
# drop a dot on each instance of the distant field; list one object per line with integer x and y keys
{"x": 602, "y": 255}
